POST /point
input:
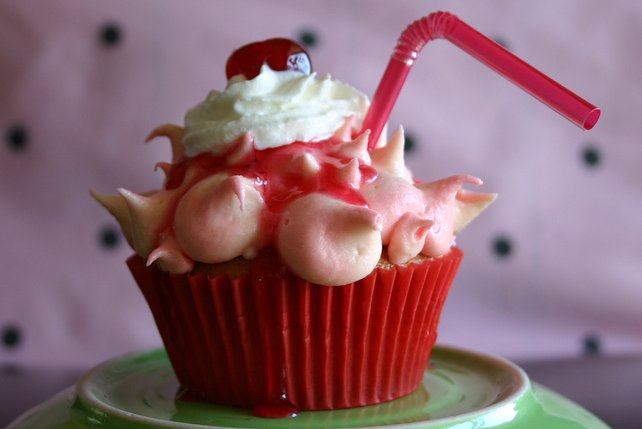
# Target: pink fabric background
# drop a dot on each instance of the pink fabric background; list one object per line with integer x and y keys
{"x": 575, "y": 267}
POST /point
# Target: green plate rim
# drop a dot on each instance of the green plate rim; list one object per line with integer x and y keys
{"x": 440, "y": 352}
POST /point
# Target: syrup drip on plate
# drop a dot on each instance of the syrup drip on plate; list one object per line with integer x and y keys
{"x": 278, "y": 410}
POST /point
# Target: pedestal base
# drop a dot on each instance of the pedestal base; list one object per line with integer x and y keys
{"x": 139, "y": 391}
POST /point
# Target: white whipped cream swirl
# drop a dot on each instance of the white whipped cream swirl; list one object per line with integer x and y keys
{"x": 277, "y": 108}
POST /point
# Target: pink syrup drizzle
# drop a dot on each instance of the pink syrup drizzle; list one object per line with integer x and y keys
{"x": 278, "y": 184}
{"x": 443, "y": 25}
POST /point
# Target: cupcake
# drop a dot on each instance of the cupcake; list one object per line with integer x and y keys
{"x": 287, "y": 266}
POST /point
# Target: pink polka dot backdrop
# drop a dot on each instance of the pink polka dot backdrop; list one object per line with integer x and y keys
{"x": 553, "y": 268}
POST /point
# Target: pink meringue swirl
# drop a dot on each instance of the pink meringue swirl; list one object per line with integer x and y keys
{"x": 330, "y": 208}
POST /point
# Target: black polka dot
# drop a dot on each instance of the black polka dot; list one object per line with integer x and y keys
{"x": 409, "y": 142}
{"x": 591, "y": 156}
{"x": 502, "y": 42}
{"x": 11, "y": 336}
{"x": 308, "y": 38}
{"x": 109, "y": 237}
{"x": 17, "y": 138}
{"x": 502, "y": 246}
{"x": 11, "y": 369}
{"x": 591, "y": 345}
{"x": 111, "y": 34}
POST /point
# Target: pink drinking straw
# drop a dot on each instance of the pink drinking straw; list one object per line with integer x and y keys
{"x": 443, "y": 25}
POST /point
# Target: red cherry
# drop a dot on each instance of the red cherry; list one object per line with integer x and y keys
{"x": 279, "y": 54}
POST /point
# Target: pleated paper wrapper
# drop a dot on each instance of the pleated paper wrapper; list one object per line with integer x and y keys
{"x": 269, "y": 337}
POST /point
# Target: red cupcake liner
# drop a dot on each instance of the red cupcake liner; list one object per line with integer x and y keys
{"x": 269, "y": 337}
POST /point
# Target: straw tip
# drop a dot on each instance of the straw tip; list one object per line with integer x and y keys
{"x": 591, "y": 119}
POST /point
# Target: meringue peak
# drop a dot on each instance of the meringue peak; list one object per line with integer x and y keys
{"x": 175, "y": 135}
{"x": 357, "y": 148}
{"x": 117, "y": 206}
{"x": 390, "y": 157}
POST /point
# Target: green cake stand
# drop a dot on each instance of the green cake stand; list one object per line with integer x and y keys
{"x": 460, "y": 389}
